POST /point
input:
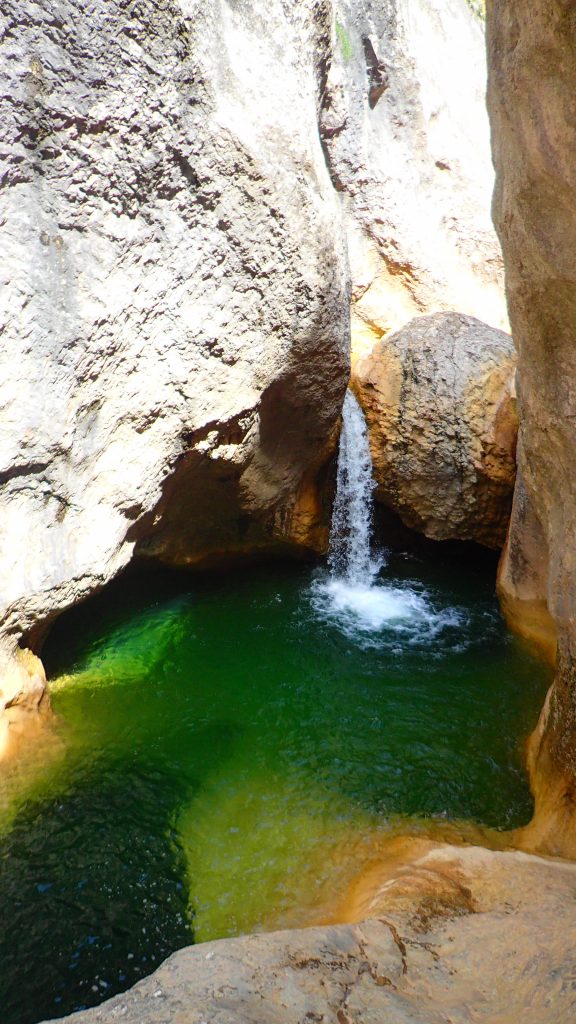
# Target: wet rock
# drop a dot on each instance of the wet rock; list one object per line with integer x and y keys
{"x": 497, "y": 945}
{"x": 439, "y": 402}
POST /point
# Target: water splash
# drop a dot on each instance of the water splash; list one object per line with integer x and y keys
{"x": 350, "y": 556}
{"x": 351, "y": 596}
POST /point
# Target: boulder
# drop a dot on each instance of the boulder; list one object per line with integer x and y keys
{"x": 439, "y": 402}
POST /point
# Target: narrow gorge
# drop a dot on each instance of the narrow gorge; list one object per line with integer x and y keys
{"x": 287, "y": 726}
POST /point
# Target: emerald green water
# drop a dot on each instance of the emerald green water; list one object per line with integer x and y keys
{"x": 232, "y": 749}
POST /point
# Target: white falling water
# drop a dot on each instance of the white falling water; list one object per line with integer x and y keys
{"x": 351, "y": 595}
{"x": 349, "y": 552}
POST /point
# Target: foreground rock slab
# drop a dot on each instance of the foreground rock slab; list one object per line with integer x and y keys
{"x": 439, "y": 402}
{"x": 455, "y": 935}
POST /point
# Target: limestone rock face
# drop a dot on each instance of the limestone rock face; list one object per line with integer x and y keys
{"x": 456, "y": 935}
{"x": 407, "y": 140}
{"x": 438, "y": 399}
{"x": 174, "y": 288}
{"x": 532, "y": 78}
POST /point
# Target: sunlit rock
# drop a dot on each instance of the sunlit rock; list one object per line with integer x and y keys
{"x": 452, "y": 933}
{"x": 175, "y": 300}
{"x": 407, "y": 140}
{"x": 439, "y": 401}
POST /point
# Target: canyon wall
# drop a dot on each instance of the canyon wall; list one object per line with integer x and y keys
{"x": 175, "y": 296}
{"x": 532, "y": 81}
{"x": 183, "y": 192}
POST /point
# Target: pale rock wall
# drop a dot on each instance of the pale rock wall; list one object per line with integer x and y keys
{"x": 407, "y": 140}
{"x": 175, "y": 299}
{"x": 188, "y": 194}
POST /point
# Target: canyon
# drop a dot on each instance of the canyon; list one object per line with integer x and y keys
{"x": 211, "y": 219}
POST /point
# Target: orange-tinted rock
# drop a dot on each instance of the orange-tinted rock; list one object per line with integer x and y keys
{"x": 24, "y": 700}
{"x": 439, "y": 402}
{"x": 532, "y": 83}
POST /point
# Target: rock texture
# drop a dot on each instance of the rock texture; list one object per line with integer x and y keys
{"x": 183, "y": 190}
{"x": 532, "y": 77}
{"x": 175, "y": 303}
{"x": 407, "y": 140}
{"x": 24, "y": 701}
{"x": 439, "y": 402}
{"x": 460, "y": 935}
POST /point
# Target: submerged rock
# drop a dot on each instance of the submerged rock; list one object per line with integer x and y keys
{"x": 452, "y": 934}
{"x": 439, "y": 402}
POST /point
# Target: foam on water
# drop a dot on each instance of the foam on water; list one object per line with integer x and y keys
{"x": 380, "y": 615}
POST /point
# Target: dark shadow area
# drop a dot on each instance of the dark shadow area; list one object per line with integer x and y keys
{"x": 91, "y": 904}
{"x": 390, "y": 533}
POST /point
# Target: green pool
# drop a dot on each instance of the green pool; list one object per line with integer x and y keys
{"x": 231, "y": 749}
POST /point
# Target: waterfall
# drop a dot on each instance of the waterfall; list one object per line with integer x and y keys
{"x": 349, "y": 555}
{"x": 368, "y": 610}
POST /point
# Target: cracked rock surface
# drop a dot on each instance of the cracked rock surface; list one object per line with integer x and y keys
{"x": 456, "y": 935}
{"x": 186, "y": 190}
{"x": 407, "y": 139}
{"x": 174, "y": 288}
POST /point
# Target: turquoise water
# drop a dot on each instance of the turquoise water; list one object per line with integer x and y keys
{"x": 232, "y": 750}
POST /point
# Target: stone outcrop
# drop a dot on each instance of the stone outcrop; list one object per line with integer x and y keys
{"x": 175, "y": 301}
{"x": 439, "y": 402}
{"x": 454, "y": 935}
{"x": 407, "y": 140}
{"x": 532, "y": 77}
{"x": 184, "y": 188}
